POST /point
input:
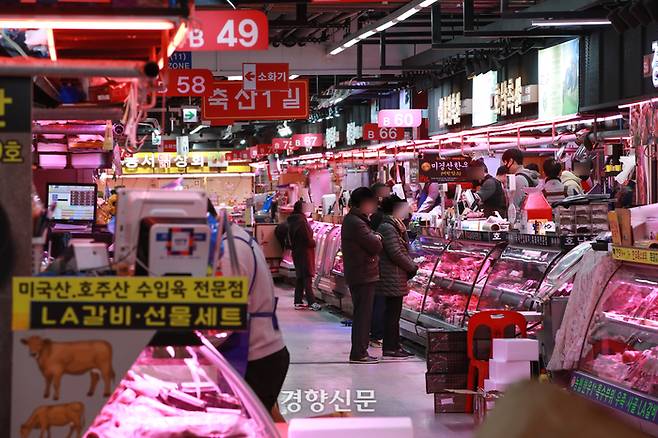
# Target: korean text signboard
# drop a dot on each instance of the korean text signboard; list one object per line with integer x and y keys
{"x": 450, "y": 109}
{"x": 129, "y": 302}
{"x": 371, "y": 131}
{"x": 162, "y": 162}
{"x": 409, "y": 118}
{"x": 433, "y": 168}
{"x": 265, "y": 76}
{"x": 307, "y": 141}
{"x": 228, "y": 30}
{"x": 228, "y": 102}
{"x": 188, "y": 82}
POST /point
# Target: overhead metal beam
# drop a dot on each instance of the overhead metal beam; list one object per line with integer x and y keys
{"x": 544, "y": 33}
{"x": 436, "y": 24}
{"x": 469, "y": 14}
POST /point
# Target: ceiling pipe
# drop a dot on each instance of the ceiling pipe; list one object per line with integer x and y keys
{"x": 69, "y": 129}
{"x": 78, "y": 112}
{"x": 525, "y": 143}
{"x": 77, "y": 68}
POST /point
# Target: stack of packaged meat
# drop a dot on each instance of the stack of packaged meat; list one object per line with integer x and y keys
{"x": 463, "y": 269}
{"x": 145, "y": 406}
{"x": 634, "y": 369}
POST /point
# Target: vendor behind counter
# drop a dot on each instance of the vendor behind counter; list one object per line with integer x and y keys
{"x": 490, "y": 193}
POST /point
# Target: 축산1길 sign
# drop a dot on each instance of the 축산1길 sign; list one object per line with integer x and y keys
{"x": 129, "y": 303}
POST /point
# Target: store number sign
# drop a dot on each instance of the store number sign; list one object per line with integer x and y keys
{"x": 508, "y": 97}
{"x": 228, "y": 30}
{"x": 307, "y": 141}
{"x": 450, "y": 109}
{"x": 409, "y": 118}
{"x": 188, "y": 82}
{"x": 373, "y": 132}
{"x": 281, "y": 144}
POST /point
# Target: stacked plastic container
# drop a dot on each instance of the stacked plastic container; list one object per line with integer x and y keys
{"x": 511, "y": 362}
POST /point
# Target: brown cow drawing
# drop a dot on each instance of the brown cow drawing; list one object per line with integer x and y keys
{"x": 55, "y": 415}
{"x": 57, "y": 358}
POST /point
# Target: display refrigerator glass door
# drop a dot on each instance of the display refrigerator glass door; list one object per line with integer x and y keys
{"x": 425, "y": 251}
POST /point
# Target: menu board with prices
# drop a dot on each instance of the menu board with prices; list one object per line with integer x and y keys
{"x": 629, "y": 402}
{"x": 434, "y": 168}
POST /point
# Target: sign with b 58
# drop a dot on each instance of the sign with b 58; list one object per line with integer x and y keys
{"x": 373, "y": 132}
{"x": 227, "y": 30}
{"x": 192, "y": 82}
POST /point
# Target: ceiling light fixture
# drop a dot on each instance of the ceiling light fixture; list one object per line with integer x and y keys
{"x": 367, "y": 34}
{"x": 427, "y": 3}
{"x": 336, "y": 51}
{"x": 86, "y": 23}
{"x": 564, "y": 23}
{"x": 385, "y": 26}
{"x": 408, "y": 14}
{"x": 50, "y": 36}
{"x": 350, "y": 43}
{"x": 234, "y": 78}
{"x": 292, "y": 77}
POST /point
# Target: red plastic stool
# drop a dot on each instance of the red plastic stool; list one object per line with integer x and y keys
{"x": 496, "y": 321}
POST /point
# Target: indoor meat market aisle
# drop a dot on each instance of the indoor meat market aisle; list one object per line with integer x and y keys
{"x": 319, "y": 347}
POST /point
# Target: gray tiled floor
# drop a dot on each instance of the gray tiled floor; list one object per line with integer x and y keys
{"x": 319, "y": 347}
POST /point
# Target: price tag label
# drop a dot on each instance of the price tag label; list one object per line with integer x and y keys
{"x": 192, "y": 82}
{"x": 227, "y": 30}
{"x": 635, "y": 255}
{"x": 379, "y": 133}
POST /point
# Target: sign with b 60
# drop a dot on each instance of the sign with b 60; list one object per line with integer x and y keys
{"x": 227, "y": 30}
{"x": 373, "y": 132}
{"x": 192, "y": 82}
{"x": 411, "y": 118}
{"x": 307, "y": 140}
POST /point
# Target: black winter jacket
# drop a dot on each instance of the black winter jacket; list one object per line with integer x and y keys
{"x": 395, "y": 264}
{"x": 360, "y": 247}
{"x": 302, "y": 244}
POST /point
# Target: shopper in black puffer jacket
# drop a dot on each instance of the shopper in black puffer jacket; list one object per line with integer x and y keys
{"x": 396, "y": 267}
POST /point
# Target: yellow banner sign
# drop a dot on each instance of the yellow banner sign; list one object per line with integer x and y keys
{"x": 130, "y": 302}
{"x": 635, "y": 255}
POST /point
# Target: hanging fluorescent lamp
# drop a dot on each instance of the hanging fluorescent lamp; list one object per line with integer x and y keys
{"x": 575, "y": 22}
{"x": 385, "y": 26}
{"x": 408, "y": 14}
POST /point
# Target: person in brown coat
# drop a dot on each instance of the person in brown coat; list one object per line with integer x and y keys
{"x": 302, "y": 244}
{"x": 361, "y": 247}
{"x": 396, "y": 267}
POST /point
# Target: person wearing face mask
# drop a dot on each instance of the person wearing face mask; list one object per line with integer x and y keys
{"x": 490, "y": 194}
{"x": 382, "y": 191}
{"x": 396, "y": 267}
{"x": 513, "y": 160}
{"x": 302, "y": 244}
{"x": 361, "y": 246}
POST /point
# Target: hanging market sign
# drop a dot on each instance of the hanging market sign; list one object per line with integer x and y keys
{"x": 558, "y": 80}
{"x": 354, "y": 133}
{"x": 331, "y": 137}
{"x": 434, "y": 168}
{"x": 307, "y": 141}
{"x": 188, "y": 82}
{"x": 160, "y": 162}
{"x": 408, "y": 118}
{"x": 373, "y": 132}
{"x": 450, "y": 109}
{"x": 227, "y": 30}
{"x": 484, "y": 86}
{"x": 227, "y": 101}
{"x": 654, "y": 64}
{"x": 265, "y": 76}
{"x": 507, "y": 100}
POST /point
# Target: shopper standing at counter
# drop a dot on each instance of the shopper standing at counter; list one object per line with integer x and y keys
{"x": 553, "y": 187}
{"x": 513, "y": 160}
{"x": 572, "y": 183}
{"x": 396, "y": 267}
{"x": 302, "y": 245}
{"x": 382, "y": 191}
{"x": 361, "y": 247}
{"x": 490, "y": 194}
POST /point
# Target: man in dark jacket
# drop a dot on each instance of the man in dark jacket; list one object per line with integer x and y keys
{"x": 490, "y": 194}
{"x": 302, "y": 244}
{"x": 382, "y": 191}
{"x": 361, "y": 247}
{"x": 396, "y": 267}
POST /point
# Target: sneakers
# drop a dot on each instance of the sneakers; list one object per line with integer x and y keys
{"x": 376, "y": 343}
{"x": 301, "y": 306}
{"x": 396, "y": 355}
{"x": 316, "y": 307}
{"x": 366, "y": 360}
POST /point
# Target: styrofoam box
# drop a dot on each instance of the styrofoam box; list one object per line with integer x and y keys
{"x": 505, "y": 350}
{"x": 491, "y": 385}
{"x": 509, "y": 372}
{"x": 355, "y": 427}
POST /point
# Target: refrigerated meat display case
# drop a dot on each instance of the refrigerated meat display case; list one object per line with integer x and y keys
{"x": 188, "y": 390}
{"x": 325, "y": 284}
{"x": 619, "y": 356}
{"x": 426, "y": 252}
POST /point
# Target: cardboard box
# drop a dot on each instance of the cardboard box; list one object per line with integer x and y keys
{"x": 447, "y": 362}
{"x": 439, "y": 340}
{"x": 625, "y": 226}
{"x": 509, "y": 372}
{"x": 490, "y": 385}
{"x": 440, "y": 382}
{"x": 506, "y": 350}
{"x": 449, "y": 403}
{"x": 613, "y": 222}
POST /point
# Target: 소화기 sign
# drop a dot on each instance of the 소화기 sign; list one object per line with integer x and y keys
{"x": 228, "y": 101}
{"x": 434, "y": 168}
{"x": 408, "y": 118}
{"x": 265, "y": 76}
{"x": 129, "y": 302}
{"x": 228, "y": 30}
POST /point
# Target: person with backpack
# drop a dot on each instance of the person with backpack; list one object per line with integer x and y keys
{"x": 553, "y": 188}
{"x": 513, "y": 160}
{"x": 302, "y": 244}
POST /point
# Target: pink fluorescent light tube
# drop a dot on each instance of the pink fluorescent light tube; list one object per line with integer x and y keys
{"x": 86, "y": 23}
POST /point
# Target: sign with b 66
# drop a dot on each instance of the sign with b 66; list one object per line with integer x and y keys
{"x": 307, "y": 140}
{"x": 411, "y": 118}
{"x": 373, "y": 132}
{"x": 192, "y": 82}
{"x": 227, "y": 30}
